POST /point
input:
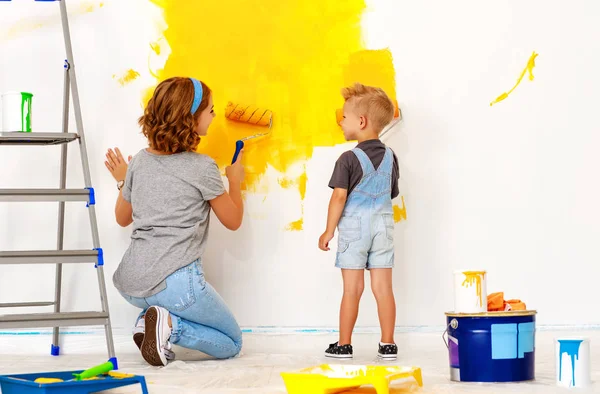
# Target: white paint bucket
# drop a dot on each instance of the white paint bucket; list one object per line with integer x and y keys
{"x": 16, "y": 111}
{"x": 470, "y": 291}
{"x": 573, "y": 367}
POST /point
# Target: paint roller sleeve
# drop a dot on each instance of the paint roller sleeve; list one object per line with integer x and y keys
{"x": 248, "y": 114}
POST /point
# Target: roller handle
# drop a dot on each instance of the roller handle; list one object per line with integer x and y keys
{"x": 239, "y": 145}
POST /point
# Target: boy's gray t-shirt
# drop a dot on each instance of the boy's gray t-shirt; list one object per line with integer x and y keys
{"x": 170, "y": 196}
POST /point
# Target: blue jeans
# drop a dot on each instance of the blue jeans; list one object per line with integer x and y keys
{"x": 201, "y": 319}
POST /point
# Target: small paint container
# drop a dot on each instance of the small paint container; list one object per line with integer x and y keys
{"x": 470, "y": 291}
{"x": 573, "y": 367}
{"x": 16, "y": 111}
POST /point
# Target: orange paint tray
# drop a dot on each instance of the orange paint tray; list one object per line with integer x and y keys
{"x": 331, "y": 379}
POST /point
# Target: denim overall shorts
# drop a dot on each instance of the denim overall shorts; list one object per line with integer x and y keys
{"x": 366, "y": 228}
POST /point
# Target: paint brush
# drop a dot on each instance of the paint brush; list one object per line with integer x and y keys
{"x": 248, "y": 114}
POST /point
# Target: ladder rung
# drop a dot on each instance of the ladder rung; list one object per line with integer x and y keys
{"x": 30, "y": 320}
{"x": 17, "y": 138}
{"x": 48, "y": 195}
{"x": 48, "y": 256}
{"x": 25, "y": 304}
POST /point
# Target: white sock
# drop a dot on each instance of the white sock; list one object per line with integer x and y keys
{"x": 385, "y": 344}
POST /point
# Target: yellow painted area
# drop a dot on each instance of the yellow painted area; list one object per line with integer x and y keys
{"x": 48, "y": 380}
{"x": 120, "y": 375}
{"x": 128, "y": 77}
{"x": 475, "y": 277}
{"x": 528, "y": 68}
{"x": 299, "y": 182}
{"x": 400, "y": 213}
{"x": 288, "y": 56}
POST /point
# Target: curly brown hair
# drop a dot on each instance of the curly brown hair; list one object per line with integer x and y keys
{"x": 167, "y": 121}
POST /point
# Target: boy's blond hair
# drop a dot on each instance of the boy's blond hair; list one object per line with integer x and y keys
{"x": 372, "y": 102}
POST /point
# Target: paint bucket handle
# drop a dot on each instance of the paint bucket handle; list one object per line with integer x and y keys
{"x": 444, "y": 338}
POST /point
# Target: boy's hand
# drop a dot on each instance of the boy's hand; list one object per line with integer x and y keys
{"x": 324, "y": 241}
{"x": 116, "y": 164}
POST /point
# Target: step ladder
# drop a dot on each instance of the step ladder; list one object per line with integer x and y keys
{"x": 61, "y": 195}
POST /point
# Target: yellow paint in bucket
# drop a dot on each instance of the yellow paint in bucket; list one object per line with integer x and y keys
{"x": 474, "y": 277}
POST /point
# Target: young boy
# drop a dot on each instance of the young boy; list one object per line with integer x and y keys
{"x": 364, "y": 182}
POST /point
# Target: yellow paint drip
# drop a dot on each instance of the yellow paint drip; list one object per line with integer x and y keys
{"x": 299, "y": 182}
{"x": 474, "y": 277}
{"x": 294, "y": 64}
{"x": 129, "y": 76}
{"x": 528, "y": 68}
{"x": 400, "y": 213}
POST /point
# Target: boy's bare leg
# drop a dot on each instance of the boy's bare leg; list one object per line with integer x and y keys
{"x": 381, "y": 283}
{"x": 354, "y": 284}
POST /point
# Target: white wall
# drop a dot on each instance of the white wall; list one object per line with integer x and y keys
{"x": 510, "y": 188}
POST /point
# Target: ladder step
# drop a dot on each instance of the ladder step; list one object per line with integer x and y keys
{"x": 44, "y": 195}
{"x": 48, "y": 256}
{"x": 18, "y": 138}
{"x": 25, "y": 304}
{"x": 63, "y": 319}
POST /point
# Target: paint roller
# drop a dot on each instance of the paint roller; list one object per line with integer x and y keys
{"x": 339, "y": 115}
{"x": 248, "y": 114}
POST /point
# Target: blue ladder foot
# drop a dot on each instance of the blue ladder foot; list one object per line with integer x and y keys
{"x": 113, "y": 360}
{"x": 54, "y": 350}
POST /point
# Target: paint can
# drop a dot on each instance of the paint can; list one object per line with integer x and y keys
{"x": 16, "y": 111}
{"x": 470, "y": 292}
{"x": 573, "y": 367}
{"x": 491, "y": 346}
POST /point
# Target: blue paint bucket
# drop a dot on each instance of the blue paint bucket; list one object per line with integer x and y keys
{"x": 491, "y": 346}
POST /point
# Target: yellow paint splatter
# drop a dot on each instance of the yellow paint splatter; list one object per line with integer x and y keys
{"x": 299, "y": 182}
{"x": 293, "y": 64}
{"x": 474, "y": 277}
{"x": 298, "y": 225}
{"x": 155, "y": 46}
{"x": 400, "y": 213}
{"x": 529, "y": 67}
{"x": 129, "y": 76}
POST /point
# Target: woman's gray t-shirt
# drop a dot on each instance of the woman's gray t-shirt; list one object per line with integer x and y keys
{"x": 170, "y": 197}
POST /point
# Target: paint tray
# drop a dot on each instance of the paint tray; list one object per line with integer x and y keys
{"x": 24, "y": 383}
{"x": 331, "y": 379}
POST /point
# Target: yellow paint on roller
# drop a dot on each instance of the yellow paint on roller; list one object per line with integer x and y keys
{"x": 248, "y": 114}
{"x": 128, "y": 77}
{"x": 400, "y": 213}
{"x": 294, "y": 65}
{"x": 474, "y": 277}
{"x": 529, "y": 67}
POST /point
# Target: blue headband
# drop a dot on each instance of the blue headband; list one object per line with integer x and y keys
{"x": 197, "y": 95}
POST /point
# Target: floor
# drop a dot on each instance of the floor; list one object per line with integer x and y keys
{"x": 257, "y": 371}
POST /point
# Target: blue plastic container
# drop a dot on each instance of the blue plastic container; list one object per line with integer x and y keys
{"x": 492, "y": 346}
{"x": 24, "y": 384}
